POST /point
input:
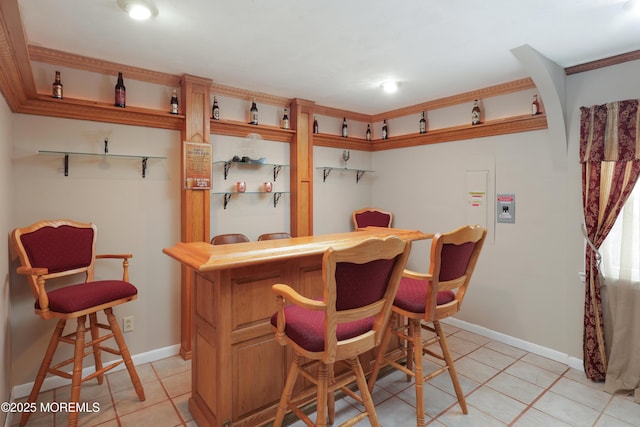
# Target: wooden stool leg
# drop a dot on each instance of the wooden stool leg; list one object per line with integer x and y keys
{"x": 377, "y": 364}
{"x": 452, "y": 370}
{"x": 410, "y": 347}
{"x": 323, "y": 389}
{"x": 97, "y": 353}
{"x": 76, "y": 376}
{"x": 287, "y": 391}
{"x": 331, "y": 398}
{"x": 44, "y": 367}
{"x": 416, "y": 334}
{"x": 124, "y": 352}
{"x": 367, "y": 401}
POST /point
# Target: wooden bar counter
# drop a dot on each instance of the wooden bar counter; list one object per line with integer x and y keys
{"x": 238, "y": 369}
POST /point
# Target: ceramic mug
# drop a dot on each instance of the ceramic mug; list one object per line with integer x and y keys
{"x": 268, "y": 187}
{"x": 241, "y": 186}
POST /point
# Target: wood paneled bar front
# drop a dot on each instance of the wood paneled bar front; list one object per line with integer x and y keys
{"x": 238, "y": 369}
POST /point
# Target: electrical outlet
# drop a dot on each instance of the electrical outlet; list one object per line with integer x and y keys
{"x": 127, "y": 324}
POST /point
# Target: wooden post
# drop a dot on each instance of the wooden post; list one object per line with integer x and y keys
{"x": 301, "y": 159}
{"x": 195, "y": 204}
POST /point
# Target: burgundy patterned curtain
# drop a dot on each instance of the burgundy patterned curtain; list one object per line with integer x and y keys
{"x": 610, "y": 157}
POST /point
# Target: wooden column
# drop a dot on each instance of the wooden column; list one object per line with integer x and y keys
{"x": 301, "y": 159}
{"x": 195, "y": 205}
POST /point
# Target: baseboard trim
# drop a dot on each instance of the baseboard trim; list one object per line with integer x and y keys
{"x": 52, "y": 382}
{"x": 572, "y": 362}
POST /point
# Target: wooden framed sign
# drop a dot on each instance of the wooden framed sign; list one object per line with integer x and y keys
{"x": 197, "y": 166}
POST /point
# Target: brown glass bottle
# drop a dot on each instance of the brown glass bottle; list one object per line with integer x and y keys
{"x": 475, "y": 113}
{"x": 385, "y": 130}
{"x": 253, "y": 113}
{"x": 423, "y": 124}
{"x": 215, "y": 110}
{"x": 315, "y": 125}
{"x": 56, "y": 87}
{"x": 535, "y": 106}
{"x": 174, "y": 102}
{"x": 121, "y": 92}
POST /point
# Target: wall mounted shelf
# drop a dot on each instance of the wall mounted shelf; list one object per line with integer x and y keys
{"x": 504, "y": 126}
{"x": 241, "y": 129}
{"x": 228, "y": 163}
{"x": 326, "y": 170}
{"x": 81, "y": 109}
{"x": 66, "y": 154}
{"x": 227, "y": 195}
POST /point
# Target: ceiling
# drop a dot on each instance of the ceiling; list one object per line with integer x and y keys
{"x": 337, "y": 52}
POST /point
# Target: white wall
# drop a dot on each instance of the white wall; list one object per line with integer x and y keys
{"x": 136, "y": 215}
{"x": 252, "y": 213}
{"x": 6, "y": 216}
{"x": 336, "y": 197}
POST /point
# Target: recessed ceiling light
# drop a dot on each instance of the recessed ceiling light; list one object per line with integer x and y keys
{"x": 389, "y": 86}
{"x": 138, "y": 9}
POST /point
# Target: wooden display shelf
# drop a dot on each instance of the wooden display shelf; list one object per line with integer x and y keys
{"x": 505, "y": 126}
{"x": 241, "y": 129}
{"x": 337, "y": 141}
{"x": 456, "y": 133}
{"x": 81, "y": 109}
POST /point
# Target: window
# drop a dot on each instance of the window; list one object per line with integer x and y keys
{"x": 621, "y": 249}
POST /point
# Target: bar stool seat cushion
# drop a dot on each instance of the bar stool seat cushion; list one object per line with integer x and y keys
{"x": 306, "y": 327}
{"x": 86, "y": 295}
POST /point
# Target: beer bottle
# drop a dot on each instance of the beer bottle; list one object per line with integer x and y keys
{"x": 56, "y": 89}
{"x": 253, "y": 113}
{"x": 423, "y": 124}
{"x": 215, "y": 110}
{"x": 121, "y": 92}
{"x": 174, "y": 102}
{"x": 475, "y": 113}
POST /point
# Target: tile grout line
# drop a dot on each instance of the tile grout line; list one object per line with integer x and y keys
{"x": 173, "y": 405}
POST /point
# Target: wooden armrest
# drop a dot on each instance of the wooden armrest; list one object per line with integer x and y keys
{"x": 118, "y": 256}
{"x": 291, "y": 295}
{"x": 416, "y": 275}
{"x": 33, "y": 271}
{"x": 40, "y": 292}
{"x": 125, "y": 262}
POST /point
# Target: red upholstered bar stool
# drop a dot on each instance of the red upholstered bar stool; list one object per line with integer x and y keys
{"x": 360, "y": 282}
{"x": 225, "y": 239}
{"x": 53, "y": 249}
{"x": 371, "y": 217}
{"x": 424, "y": 300}
{"x": 274, "y": 236}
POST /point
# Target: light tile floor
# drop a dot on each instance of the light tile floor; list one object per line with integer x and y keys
{"x": 503, "y": 385}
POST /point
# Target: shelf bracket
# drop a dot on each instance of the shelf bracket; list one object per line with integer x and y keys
{"x": 359, "y": 175}
{"x": 227, "y": 197}
{"x": 325, "y": 174}
{"x": 276, "y": 199}
{"x": 144, "y": 166}
{"x": 276, "y": 171}
{"x": 227, "y": 166}
{"x": 66, "y": 165}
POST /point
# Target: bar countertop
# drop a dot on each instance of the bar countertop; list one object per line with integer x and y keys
{"x": 203, "y": 257}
